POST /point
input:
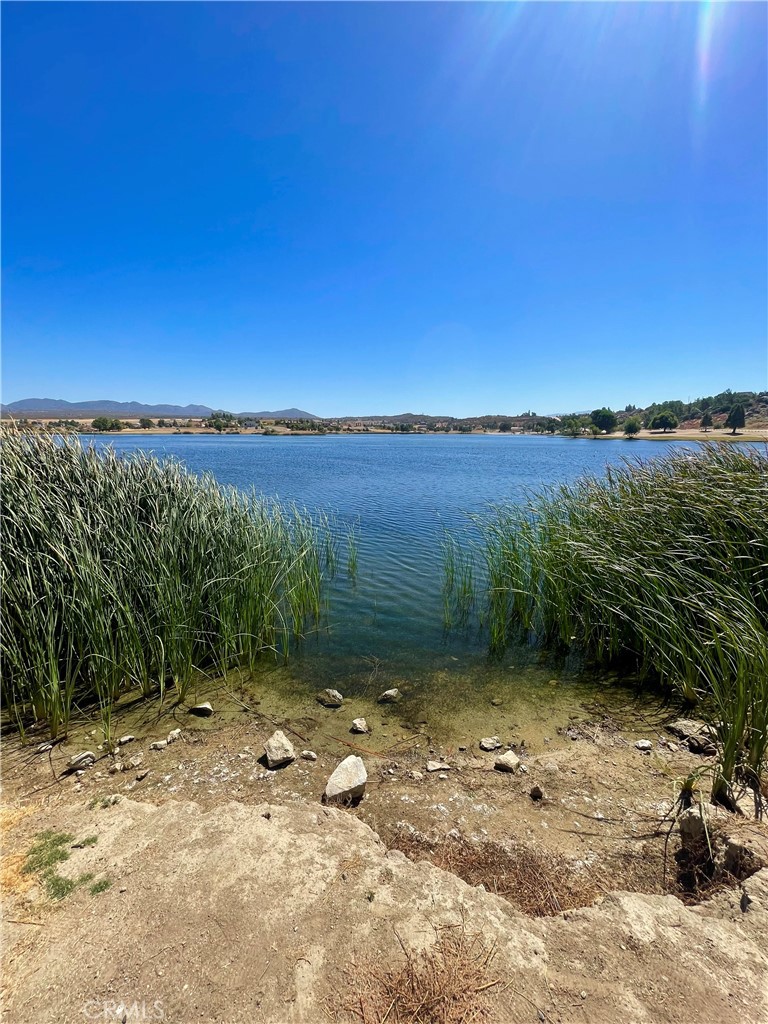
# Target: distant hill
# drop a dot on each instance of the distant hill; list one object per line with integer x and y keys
{"x": 279, "y": 414}
{"x": 44, "y": 408}
{"x": 53, "y": 408}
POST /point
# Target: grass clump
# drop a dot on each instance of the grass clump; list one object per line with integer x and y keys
{"x": 134, "y": 574}
{"x": 661, "y": 566}
{"x": 101, "y": 886}
{"x": 50, "y": 850}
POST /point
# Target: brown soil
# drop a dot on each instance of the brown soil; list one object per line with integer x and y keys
{"x": 233, "y": 895}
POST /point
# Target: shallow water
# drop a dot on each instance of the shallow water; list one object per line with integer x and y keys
{"x": 402, "y": 492}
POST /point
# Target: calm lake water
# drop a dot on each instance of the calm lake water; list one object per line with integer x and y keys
{"x": 402, "y": 492}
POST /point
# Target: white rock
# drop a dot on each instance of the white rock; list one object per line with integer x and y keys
{"x": 416, "y": 776}
{"x": 118, "y": 766}
{"x": 348, "y": 780}
{"x": 644, "y": 745}
{"x": 158, "y": 745}
{"x": 390, "y": 696}
{"x": 490, "y": 743}
{"x": 359, "y": 725}
{"x": 309, "y": 755}
{"x": 173, "y": 735}
{"x": 330, "y": 698}
{"x": 508, "y": 762}
{"x": 279, "y": 749}
{"x": 436, "y": 766}
{"x": 83, "y": 760}
{"x": 204, "y": 710}
{"x": 125, "y": 739}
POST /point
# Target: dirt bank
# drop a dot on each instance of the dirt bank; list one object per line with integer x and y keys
{"x": 267, "y": 912}
{"x": 197, "y": 884}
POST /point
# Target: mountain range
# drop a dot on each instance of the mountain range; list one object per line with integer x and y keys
{"x": 48, "y": 408}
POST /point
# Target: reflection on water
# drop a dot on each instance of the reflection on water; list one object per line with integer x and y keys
{"x": 402, "y": 492}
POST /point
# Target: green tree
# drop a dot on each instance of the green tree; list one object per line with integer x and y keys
{"x": 706, "y": 421}
{"x": 145, "y": 423}
{"x": 632, "y": 426}
{"x": 604, "y": 419}
{"x": 736, "y": 418}
{"x": 665, "y": 420}
{"x": 105, "y": 423}
{"x": 594, "y": 429}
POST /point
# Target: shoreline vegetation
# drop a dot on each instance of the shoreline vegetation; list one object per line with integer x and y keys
{"x": 729, "y": 415}
{"x": 130, "y": 575}
{"x": 127, "y": 575}
{"x": 660, "y": 567}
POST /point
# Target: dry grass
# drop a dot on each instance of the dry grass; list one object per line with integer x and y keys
{"x": 536, "y": 883}
{"x": 449, "y": 983}
{"x": 13, "y": 881}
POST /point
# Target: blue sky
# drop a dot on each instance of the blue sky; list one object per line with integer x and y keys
{"x": 364, "y": 208}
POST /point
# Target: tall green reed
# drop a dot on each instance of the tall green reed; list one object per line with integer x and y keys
{"x": 130, "y": 573}
{"x": 661, "y": 566}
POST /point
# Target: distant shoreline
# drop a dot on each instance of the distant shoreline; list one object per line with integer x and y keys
{"x": 644, "y": 435}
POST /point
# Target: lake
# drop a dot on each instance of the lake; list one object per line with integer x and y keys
{"x": 401, "y": 492}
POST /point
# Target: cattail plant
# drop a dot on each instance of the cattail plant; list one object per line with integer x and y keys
{"x": 660, "y": 566}
{"x": 127, "y": 573}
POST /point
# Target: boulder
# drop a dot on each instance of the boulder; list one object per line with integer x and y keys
{"x": 279, "y": 750}
{"x": 645, "y": 746}
{"x": 309, "y": 755}
{"x": 508, "y": 762}
{"x": 158, "y": 745}
{"x": 390, "y": 696}
{"x": 437, "y": 766}
{"x": 330, "y": 698}
{"x": 490, "y": 743}
{"x": 360, "y": 725}
{"x": 348, "y": 781}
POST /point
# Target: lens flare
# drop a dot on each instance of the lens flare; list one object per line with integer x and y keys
{"x": 710, "y": 15}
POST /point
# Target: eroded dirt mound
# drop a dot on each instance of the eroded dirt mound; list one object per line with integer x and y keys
{"x": 267, "y": 913}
